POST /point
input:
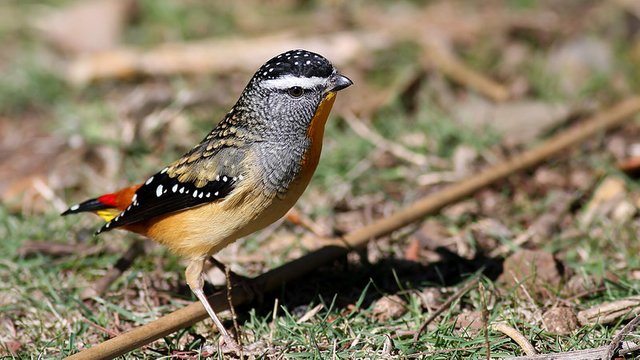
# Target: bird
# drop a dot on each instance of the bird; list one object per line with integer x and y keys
{"x": 243, "y": 176}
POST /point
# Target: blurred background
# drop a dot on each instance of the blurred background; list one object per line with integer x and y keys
{"x": 98, "y": 94}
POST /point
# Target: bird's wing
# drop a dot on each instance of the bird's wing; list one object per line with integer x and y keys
{"x": 205, "y": 174}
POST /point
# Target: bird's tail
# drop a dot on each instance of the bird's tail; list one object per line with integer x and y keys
{"x": 106, "y": 206}
{"x": 95, "y": 206}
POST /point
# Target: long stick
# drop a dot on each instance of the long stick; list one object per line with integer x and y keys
{"x": 337, "y": 247}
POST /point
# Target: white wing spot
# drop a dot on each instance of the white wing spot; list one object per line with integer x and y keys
{"x": 224, "y": 178}
{"x": 217, "y": 177}
{"x": 149, "y": 180}
{"x": 240, "y": 177}
{"x": 308, "y": 62}
{"x": 195, "y": 193}
{"x": 75, "y": 207}
{"x": 182, "y": 190}
{"x": 215, "y": 194}
{"x": 164, "y": 170}
{"x": 208, "y": 194}
{"x": 174, "y": 188}
{"x": 201, "y": 195}
{"x": 159, "y": 190}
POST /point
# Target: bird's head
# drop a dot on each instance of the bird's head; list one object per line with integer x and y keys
{"x": 291, "y": 88}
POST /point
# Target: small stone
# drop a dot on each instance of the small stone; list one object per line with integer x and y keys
{"x": 470, "y": 322}
{"x": 389, "y": 307}
{"x": 536, "y": 270}
{"x": 560, "y": 320}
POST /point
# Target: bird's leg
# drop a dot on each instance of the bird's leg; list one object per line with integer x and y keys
{"x": 247, "y": 283}
{"x": 195, "y": 280}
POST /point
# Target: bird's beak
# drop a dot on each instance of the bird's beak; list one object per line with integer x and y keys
{"x": 338, "y": 82}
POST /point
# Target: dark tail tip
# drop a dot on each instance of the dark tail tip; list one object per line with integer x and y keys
{"x": 89, "y": 205}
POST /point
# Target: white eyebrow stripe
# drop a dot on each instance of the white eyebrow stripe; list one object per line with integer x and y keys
{"x": 289, "y": 81}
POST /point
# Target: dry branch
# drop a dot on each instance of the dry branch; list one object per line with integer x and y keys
{"x": 458, "y": 71}
{"x": 215, "y": 56}
{"x": 430, "y": 204}
{"x": 617, "y": 342}
{"x": 598, "y": 353}
{"x": 609, "y": 312}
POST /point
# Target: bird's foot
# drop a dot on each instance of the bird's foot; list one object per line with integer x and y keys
{"x": 229, "y": 346}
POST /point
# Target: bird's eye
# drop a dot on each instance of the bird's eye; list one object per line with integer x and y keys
{"x": 296, "y": 91}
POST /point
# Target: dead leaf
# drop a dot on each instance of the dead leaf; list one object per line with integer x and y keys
{"x": 575, "y": 62}
{"x": 412, "y": 251}
{"x": 630, "y": 166}
{"x": 389, "y": 307}
{"x": 579, "y": 284}
{"x": 463, "y": 208}
{"x": 463, "y": 158}
{"x": 430, "y": 298}
{"x": 86, "y": 26}
{"x": 520, "y": 122}
{"x": 34, "y": 167}
{"x": 610, "y": 200}
{"x": 488, "y": 233}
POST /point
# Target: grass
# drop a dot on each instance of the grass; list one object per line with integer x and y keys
{"x": 40, "y": 294}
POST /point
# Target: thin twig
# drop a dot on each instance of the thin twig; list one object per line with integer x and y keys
{"x": 526, "y": 293}
{"x": 274, "y": 316}
{"x": 124, "y": 263}
{"x": 103, "y": 329}
{"x": 485, "y": 318}
{"x": 359, "y": 127}
{"x": 443, "y": 351}
{"x": 451, "y": 65}
{"x": 309, "y": 314}
{"x": 517, "y": 336}
{"x": 617, "y": 340}
{"x": 273, "y": 279}
{"x": 236, "y": 327}
{"x": 445, "y": 306}
{"x": 598, "y": 353}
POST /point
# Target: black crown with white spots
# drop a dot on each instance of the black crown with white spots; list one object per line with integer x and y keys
{"x": 299, "y": 63}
